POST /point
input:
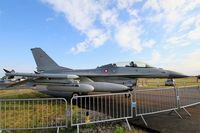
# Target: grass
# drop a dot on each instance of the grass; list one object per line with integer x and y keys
{"x": 119, "y": 129}
{"x": 160, "y": 83}
{"x": 29, "y": 113}
{"x": 24, "y": 115}
{"x": 21, "y": 94}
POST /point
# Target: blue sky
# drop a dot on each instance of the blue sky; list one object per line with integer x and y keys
{"x": 88, "y": 33}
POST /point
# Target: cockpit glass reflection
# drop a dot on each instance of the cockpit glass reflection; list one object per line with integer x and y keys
{"x": 128, "y": 64}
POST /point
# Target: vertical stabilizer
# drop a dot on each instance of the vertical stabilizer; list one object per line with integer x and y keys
{"x": 43, "y": 61}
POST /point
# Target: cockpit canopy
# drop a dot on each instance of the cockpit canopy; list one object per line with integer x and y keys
{"x": 128, "y": 64}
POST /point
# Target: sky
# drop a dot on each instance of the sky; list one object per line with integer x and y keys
{"x": 89, "y": 33}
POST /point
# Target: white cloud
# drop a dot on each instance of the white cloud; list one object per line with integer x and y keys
{"x": 131, "y": 26}
{"x": 155, "y": 18}
{"x": 194, "y": 34}
{"x": 85, "y": 16}
{"x": 127, "y": 36}
{"x": 80, "y": 13}
{"x": 171, "y": 13}
{"x": 150, "y": 43}
{"x": 187, "y": 24}
{"x": 191, "y": 63}
{"x": 187, "y": 64}
{"x": 185, "y": 38}
{"x": 97, "y": 37}
{"x": 123, "y": 4}
{"x": 152, "y": 4}
{"x": 109, "y": 17}
{"x": 177, "y": 41}
{"x": 81, "y": 47}
{"x": 180, "y": 26}
{"x": 155, "y": 57}
{"x": 190, "y": 5}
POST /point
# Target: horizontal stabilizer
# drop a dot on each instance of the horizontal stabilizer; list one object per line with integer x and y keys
{"x": 7, "y": 71}
{"x": 36, "y": 72}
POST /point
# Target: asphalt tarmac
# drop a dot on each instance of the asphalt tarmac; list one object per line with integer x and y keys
{"x": 170, "y": 122}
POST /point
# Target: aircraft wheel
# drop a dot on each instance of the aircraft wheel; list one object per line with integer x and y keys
{"x": 75, "y": 94}
{"x": 75, "y": 99}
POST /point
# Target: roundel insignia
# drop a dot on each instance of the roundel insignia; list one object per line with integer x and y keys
{"x": 105, "y": 70}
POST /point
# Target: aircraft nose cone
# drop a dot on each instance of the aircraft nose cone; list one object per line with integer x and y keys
{"x": 173, "y": 74}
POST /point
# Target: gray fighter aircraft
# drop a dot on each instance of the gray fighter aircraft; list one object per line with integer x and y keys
{"x": 114, "y": 77}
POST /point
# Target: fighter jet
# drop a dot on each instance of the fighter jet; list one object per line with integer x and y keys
{"x": 113, "y": 77}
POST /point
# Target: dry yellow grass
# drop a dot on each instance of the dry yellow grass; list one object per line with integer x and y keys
{"x": 21, "y": 94}
{"x": 30, "y": 114}
{"x": 160, "y": 83}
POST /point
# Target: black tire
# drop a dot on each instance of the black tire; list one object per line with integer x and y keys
{"x": 75, "y": 94}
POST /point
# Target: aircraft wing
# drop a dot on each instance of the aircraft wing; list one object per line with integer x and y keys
{"x": 41, "y": 75}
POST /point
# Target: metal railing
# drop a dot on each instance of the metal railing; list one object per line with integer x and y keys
{"x": 100, "y": 108}
{"x": 152, "y": 101}
{"x": 188, "y": 96}
{"x": 41, "y": 113}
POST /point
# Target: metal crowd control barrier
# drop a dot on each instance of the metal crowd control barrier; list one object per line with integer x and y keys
{"x": 152, "y": 101}
{"x": 100, "y": 108}
{"x": 155, "y": 100}
{"x": 41, "y": 113}
{"x": 189, "y": 96}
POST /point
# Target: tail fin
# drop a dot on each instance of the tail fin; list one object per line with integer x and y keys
{"x": 43, "y": 61}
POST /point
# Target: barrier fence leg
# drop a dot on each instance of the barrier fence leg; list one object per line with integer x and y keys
{"x": 0, "y": 131}
{"x": 129, "y": 127}
{"x": 178, "y": 114}
{"x": 186, "y": 111}
{"x": 144, "y": 121}
{"x": 57, "y": 130}
{"x": 77, "y": 128}
{"x": 170, "y": 112}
